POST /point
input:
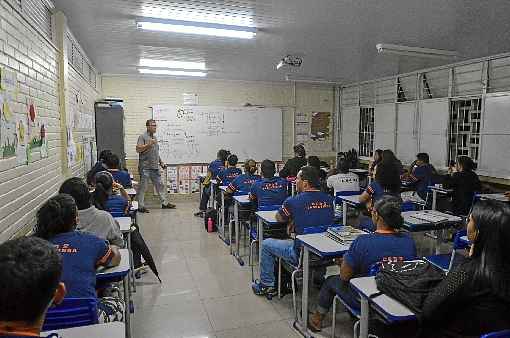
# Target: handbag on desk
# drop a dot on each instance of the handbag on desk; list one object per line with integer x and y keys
{"x": 408, "y": 282}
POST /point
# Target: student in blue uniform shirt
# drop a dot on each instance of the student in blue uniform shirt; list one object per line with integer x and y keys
{"x": 82, "y": 253}
{"x": 228, "y": 174}
{"x": 110, "y": 196}
{"x": 243, "y": 182}
{"x": 31, "y": 271}
{"x": 421, "y": 174}
{"x": 213, "y": 170}
{"x": 100, "y": 165}
{"x": 120, "y": 176}
{"x": 270, "y": 190}
{"x": 309, "y": 208}
{"x": 385, "y": 244}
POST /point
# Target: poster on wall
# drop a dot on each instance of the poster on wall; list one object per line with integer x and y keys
{"x": 21, "y": 137}
{"x": 320, "y": 126}
{"x": 171, "y": 177}
{"x": 71, "y": 148}
{"x": 8, "y": 138}
{"x": 8, "y": 97}
{"x": 36, "y": 132}
{"x": 87, "y": 152}
{"x": 94, "y": 151}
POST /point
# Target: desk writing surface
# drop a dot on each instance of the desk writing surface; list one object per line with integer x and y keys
{"x": 353, "y": 199}
{"x": 124, "y": 223}
{"x": 359, "y": 171}
{"x": 440, "y": 190}
{"x": 242, "y": 199}
{"x": 496, "y": 197}
{"x": 108, "y": 330}
{"x": 322, "y": 244}
{"x": 124, "y": 265}
{"x": 408, "y": 217}
{"x": 223, "y": 187}
{"x": 268, "y": 216}
{"x": 367, "y": 287}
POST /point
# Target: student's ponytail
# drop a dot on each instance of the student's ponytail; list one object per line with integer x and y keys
{"x": 104, "y": 184}
{"x": 55, "y": 216}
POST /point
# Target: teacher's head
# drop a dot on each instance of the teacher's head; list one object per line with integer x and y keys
{"x": 151, "y": 126}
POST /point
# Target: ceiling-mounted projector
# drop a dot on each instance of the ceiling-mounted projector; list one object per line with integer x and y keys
{"x": 290, "y": 60}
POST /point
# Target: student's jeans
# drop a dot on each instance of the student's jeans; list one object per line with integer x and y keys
{"x": 155, "y": 177}
{"x": 334, "y": 285}
{"x": 271, "y": 250}
{"x": 204, "y": 199}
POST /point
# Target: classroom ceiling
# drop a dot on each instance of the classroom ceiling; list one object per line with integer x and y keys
{"x": 336, "y": 38}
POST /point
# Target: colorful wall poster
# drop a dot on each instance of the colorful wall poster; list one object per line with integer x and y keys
{"x": 87, "y": 152}
{"x": 8, "y": 138}
{"x": 36, "y": 132}
{"x": 21, "y": 137}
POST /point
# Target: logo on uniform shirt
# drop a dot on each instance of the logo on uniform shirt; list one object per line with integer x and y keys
{"x": 318, "y": 205}
{"x": 66, "y": 248}
{"x": 272, "y": 186}
{"x": 393, "y": 259}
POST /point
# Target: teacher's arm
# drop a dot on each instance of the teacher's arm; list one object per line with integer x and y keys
{"x": 141, "y": 146}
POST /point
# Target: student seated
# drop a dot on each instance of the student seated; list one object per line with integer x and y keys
{"x": 315, "y": 162}
{"x": 244, "y": 181}
{"x": 213, "y": 170}
{"x": 82, "y": 253}
{"x": 91, "y": 219}
{"x": 110, "y": 196}
{"x": 389, "y": 157}
{"x": 474, "y": 298}
{"x": 31, "y": 271}
{"x": 99, "y": 166}
{"x": 421, "y": 175}
{"x": 270, "y": 190}
{"x": 385, "y": 244}
{"x": 293, "y": 165}
{"x": 344, "y": 180}
{"x": 464, "y": 182}
{"x": 309, "y": 208}
{"x": 374, "y": 162}
{"x": 120, "y": 176}
{"x": 228, "y": 174}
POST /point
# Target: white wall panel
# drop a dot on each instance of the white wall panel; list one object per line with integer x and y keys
{"x": 385, "y": 126}
{"x": 433, "y": 130}
{"x": 350, "y": 128}
{"x": 407, "y": 139}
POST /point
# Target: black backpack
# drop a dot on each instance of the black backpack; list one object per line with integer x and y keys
{"x": 409, "y": 282}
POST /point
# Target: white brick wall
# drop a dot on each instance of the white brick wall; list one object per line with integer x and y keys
{"x": 140, "y": 93}
{"x": 34, "y": 58}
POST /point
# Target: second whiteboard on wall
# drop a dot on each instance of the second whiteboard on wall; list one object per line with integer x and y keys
{"x": 194, "y": 134}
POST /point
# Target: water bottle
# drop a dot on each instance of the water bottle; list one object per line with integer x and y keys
{"x": 209, "y": 225}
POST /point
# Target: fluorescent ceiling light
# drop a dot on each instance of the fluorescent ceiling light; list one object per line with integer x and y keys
{"x": 243, "y": 18}
{"x": 171, "y": 72}
{"x": 199, "y": 28}
{"x": 172, "y": 64}
{"x": 387, "y": 48}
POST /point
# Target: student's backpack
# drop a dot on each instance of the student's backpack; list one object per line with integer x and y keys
{"x": 408, "y": 282}
{"x": 212, "y": 214}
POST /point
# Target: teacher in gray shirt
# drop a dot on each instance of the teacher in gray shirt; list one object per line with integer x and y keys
{"x": 147, "y": 148}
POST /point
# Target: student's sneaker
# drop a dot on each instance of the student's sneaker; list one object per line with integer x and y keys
{"x": 200, "y": 213}
{"x": 168, "y": 206}
{"x": 262, "y": 290}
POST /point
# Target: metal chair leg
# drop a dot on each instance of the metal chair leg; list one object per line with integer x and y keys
{"x": 334, "y": 317}
{"x": 251, "y": 260}
{"x": 294, "y": 287}
{"x": 356, "y": 329}
{"x": 279, "y": 277}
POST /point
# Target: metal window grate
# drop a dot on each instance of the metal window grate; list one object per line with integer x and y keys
{"x": 464, "y": 130}
{"x": 366, "y": 131}
{"x": 80, "y": 63}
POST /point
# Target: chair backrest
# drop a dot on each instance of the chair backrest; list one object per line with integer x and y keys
{"x": 269, "y": 207}
{"x": 408, "y": 206}
{"x": 499, "y": 334}
{"x": 72, "y": 312}
{"x": 374, "y": 269}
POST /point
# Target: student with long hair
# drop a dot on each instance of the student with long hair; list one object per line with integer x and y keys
{"x": 474, "y": 298}
{"x": 82, "y": 253}
{"x": 464, "y": 182}
{"x": 293, "y": 165}
{"x": 377, "y": 158}
{"x": 387, "y": 242}
{"x": 109, "y": 195}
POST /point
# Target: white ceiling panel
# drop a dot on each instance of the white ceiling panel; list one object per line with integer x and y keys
{"x": 335, "y": 37}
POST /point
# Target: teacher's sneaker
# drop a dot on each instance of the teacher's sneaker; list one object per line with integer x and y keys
{"x": 168, "y": 206}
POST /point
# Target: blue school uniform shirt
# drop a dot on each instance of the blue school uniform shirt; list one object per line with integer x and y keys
{"x": 81, "y": 253}
{"x": 116, "y": 205}
{"x": 243, "y": 182}
{"x": 227, "y": 175}
{"x": 376, "y": 191}
{"x": 269, "y": 191}
{"x": 422, "y": 175}
{"x": 375, "y": 247}
{"x": 122, "y": 177}
{"x": 215, "y": 167}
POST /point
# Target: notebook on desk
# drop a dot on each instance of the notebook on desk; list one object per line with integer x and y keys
{"x": 345, "y": 234}
{"x": 429, "y": 217}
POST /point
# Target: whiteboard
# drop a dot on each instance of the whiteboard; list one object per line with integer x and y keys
{"x": 194, "y": 134}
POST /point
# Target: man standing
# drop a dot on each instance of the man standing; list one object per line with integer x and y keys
{"x": 147, "y": 148}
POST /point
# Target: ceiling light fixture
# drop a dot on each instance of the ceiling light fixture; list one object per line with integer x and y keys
{"x": 153, "y": 63}
{"x": 199, "y": 28}
{"x": 387, "y": 48}
{"x": 171, "y": 72}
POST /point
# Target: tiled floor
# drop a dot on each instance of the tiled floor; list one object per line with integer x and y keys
{"x": 205, "y": 293}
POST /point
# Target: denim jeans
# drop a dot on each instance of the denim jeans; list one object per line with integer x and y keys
{"x": 204, "y": 200}
{"x": 334, "y": 285}
{"x": 155, "y": 177}
{"x": 271, "y": 250}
